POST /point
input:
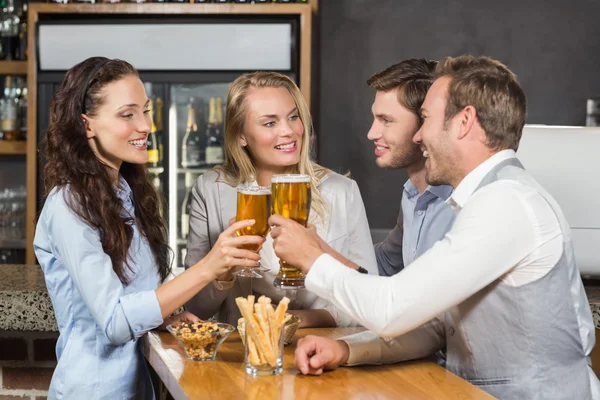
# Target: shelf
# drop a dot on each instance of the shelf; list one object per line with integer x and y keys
{"x": 171, "y": 8}
{"x": 12, "y": 244}
{"x": 18, "y": 147}
{"x": 13, "y": 67}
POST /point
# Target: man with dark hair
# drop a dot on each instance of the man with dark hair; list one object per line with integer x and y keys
{"x": 424, "y": 216}
{"x": 501, "y": 291}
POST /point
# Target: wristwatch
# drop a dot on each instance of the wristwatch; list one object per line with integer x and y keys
{"x": 362, "y": 270}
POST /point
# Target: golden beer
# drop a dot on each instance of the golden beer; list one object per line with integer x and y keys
{"x": 291, "y": 199}
{"x": 254, "y": 203}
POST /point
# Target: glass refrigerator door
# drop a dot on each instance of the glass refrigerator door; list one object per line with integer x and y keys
{"x": 196, "y": 121}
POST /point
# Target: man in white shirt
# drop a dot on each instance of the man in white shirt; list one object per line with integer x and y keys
{"x": 424, "y": 216}
{"x": 501, "y": 292}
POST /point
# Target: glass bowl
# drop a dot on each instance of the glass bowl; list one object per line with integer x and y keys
{"x": 200, "y": 340}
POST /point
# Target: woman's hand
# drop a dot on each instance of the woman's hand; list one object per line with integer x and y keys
{"x": 228, "y": 252}
{"x": 175, "y": 319}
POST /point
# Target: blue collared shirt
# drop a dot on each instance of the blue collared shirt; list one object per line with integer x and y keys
{"x": 424, "y": 219}
{"x": 100, "y": 320}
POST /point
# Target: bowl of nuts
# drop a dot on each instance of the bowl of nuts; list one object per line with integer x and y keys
{"x": 200, "y": 340}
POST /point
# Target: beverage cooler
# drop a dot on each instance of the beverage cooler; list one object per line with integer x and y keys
{"x": 186, "y": 63}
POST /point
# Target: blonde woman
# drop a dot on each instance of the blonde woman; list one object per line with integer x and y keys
{"x": 268, "y": 132}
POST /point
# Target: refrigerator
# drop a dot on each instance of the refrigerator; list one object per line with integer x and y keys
{"x": 183, "y": 61}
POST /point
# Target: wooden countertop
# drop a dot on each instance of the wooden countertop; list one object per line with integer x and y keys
{"x": 226, "y": 379}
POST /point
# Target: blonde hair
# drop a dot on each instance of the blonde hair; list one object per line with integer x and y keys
{"x": 239, "y": 167}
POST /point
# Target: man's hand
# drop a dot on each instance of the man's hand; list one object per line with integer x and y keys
{"x": 295, "y": 244}
{"x": 315, "y": 354}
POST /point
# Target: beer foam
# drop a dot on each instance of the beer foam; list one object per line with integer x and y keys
{"x": 290, "y": 178}
{"x": 254, "y": 190}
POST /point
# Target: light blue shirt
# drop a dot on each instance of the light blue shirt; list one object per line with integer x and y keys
{"x": 100, "y": 320}
{"x": 424, "y": 219}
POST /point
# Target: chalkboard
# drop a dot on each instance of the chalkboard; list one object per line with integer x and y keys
{"x": 553, "y": 47}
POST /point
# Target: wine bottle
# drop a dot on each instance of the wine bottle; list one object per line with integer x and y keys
{"x": 186, "y": 205}
{"x": 185, "y": 214}
{"x": 9, "y": 105}
{"x": 194, "y": 143}
{"x": 152, "y": 142}
{"x": 158, "y": 113}
{"x": 22, "y": 109}
{"x": 9, "y": 32}
{"x": 214, "y": 146}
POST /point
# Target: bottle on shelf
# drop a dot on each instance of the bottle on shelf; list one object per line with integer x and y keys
{"x": 8, "y": 111}
{"x": 194, "y": 143}
{"x": 186, "y": 205}
{"x": 158, "y": 120}
{"x": 22, "y": 108}
{"x": 152, "y": 143}
{"x": 214, "y": 137}
{"x": 22, "y": 13}
{"x": 9, "y": 32}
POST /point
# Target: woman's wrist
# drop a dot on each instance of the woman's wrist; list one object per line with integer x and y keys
{"x": 202, "y": 273}
{"x": 226, "y": 277}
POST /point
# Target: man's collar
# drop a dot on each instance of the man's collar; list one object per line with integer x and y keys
{"x": 469, "y": 184}
{"x": 443, "y": 191}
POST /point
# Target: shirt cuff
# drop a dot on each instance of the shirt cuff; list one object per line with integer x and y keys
{"x": 142, "y": 311}
{"x": 365, "y": 348}
{"x": 224, "y": 285}
{"x": 323, "y": 275}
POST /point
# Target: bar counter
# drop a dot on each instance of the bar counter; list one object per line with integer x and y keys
{"x": 25, "y": 307}
{"x": 225, "y": 378}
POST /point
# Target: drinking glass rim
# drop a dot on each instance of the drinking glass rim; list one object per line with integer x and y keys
{"x": 290, "y": 178}
{"x": 253, "y": 189}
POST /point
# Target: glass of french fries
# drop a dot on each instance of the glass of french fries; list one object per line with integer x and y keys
{"x": 264, "y": 334}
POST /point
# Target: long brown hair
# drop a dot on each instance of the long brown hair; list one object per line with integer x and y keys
{"x": 92, "y": 196}
{"x": 239, "y": 166}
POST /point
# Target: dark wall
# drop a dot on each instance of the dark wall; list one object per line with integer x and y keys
{"x": 553, "y": 46}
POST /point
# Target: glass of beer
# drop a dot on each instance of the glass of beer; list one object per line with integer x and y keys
{"x": 291, "y": 199}
{"x": 253, "y": 202}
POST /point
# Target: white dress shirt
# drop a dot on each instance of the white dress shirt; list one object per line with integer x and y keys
{"x": 519, "y": 242}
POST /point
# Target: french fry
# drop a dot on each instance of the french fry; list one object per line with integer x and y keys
{"x": 272, "y": 327}
{"x": 280, "y": 315}
{"x": 253, "y": 354}
{"x": 264, "y": 300}
{"x": 281, "y": 310}
{"x": 261, "y": 315}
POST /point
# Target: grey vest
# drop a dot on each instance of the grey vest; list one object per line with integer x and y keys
{"x": 531, "y": 341}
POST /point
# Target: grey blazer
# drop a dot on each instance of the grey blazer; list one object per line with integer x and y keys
{"x": 214, "y": 203}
